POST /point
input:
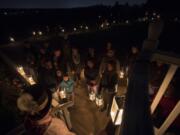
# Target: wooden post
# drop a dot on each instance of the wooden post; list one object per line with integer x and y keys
{"x": 163, "y": 87}
{"x": 172, "y": 116}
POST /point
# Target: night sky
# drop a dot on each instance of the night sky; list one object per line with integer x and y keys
{"x": 61, "y": 3}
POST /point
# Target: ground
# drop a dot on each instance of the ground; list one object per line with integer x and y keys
{"x": 86, "y": 118}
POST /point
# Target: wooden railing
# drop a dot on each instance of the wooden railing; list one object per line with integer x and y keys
{"x": 174, "y": 62}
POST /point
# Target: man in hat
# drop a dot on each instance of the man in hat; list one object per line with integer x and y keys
{"x": 36, "y": 102}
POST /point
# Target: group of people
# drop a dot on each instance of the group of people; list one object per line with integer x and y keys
{"x": 62, "y": 69}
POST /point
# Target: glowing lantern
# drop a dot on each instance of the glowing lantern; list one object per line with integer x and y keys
{"x": 121, "y": 74}
{"x": 99, "y": 101}
{"x": 62, "y": 94}
{"x": 31, "y": 80}
{"x": 117, "y": 109}
{"x": 92, "y": 96}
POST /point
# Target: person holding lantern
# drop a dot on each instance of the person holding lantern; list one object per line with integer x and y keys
{"x": 67, "y": 85}
{"x": 75, "y": 64}
{"x": 108, "y": 84}
{"x": 110, "y": 56}
{"x": 36, "y": 102}
{"x": 91, "y": 75}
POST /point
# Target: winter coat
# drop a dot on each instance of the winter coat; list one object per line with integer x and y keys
{"x": 91, "y": 74}
{"x": 67, "y": 85}
{"x": 109, "y": 80}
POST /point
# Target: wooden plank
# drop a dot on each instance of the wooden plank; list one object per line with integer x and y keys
{"x": 172, "y": 116}
{"x": 163, "y": 87}
{"x": 166, "y": 58}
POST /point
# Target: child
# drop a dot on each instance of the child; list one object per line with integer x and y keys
{"x": 67, "y": 84}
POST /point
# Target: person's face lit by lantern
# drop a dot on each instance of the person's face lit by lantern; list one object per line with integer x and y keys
{"x": 110, "y": 53}
{"x": 58, "y": 73}
{"x": 90, "y": 64}
{"x": 49, "y": 65}
{"x": 134, "y": 50}
{"x": 57, "y": 53}
{"x": 66, "y": 78}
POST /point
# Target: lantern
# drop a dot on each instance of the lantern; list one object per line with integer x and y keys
{"x": 99, "y": 101}
{"x": 20, "y": 70}
{"x": 31, "y": 80}
{"x": 62, "y": 94}
{"x": 121, "y": 75}
{"x": 117, "y": 109}
{"x": 92, "y": 96}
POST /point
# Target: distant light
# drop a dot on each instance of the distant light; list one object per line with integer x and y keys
{"x": 158, "y": 16}
{"x": 154, "y": 14}
{"x": 114, "y": 21}
{"x": 40, "y": 33}
{"x": 5, "y": 13}
{"x": 81, "y": 26}
{"x": 175, "y": 19}
{"x": 107, "y": 24}
{"x": 139, "y": 19}
{"x": 34, "y": 33}
{"x": 127, "y": 21}
{"x": 102, "y": 25}
{"x": 86, "y": 27}
{"x": 11, "y": 39}
{"x": 99, "y": 16}
{"x": 75, "y": 29}
{"x": 146, "y": 13}
{"x": 63, "y": 30}
{"x": 152, "y": 19}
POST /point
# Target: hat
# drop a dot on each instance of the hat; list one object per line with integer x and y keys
{"x": 36, "y": 101}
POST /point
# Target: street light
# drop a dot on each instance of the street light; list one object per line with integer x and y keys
{"x": 117, "y": 109}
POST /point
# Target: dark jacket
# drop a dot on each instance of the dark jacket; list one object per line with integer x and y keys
{"x": 109, "y": 80}
{"x": 91, "y": 73}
